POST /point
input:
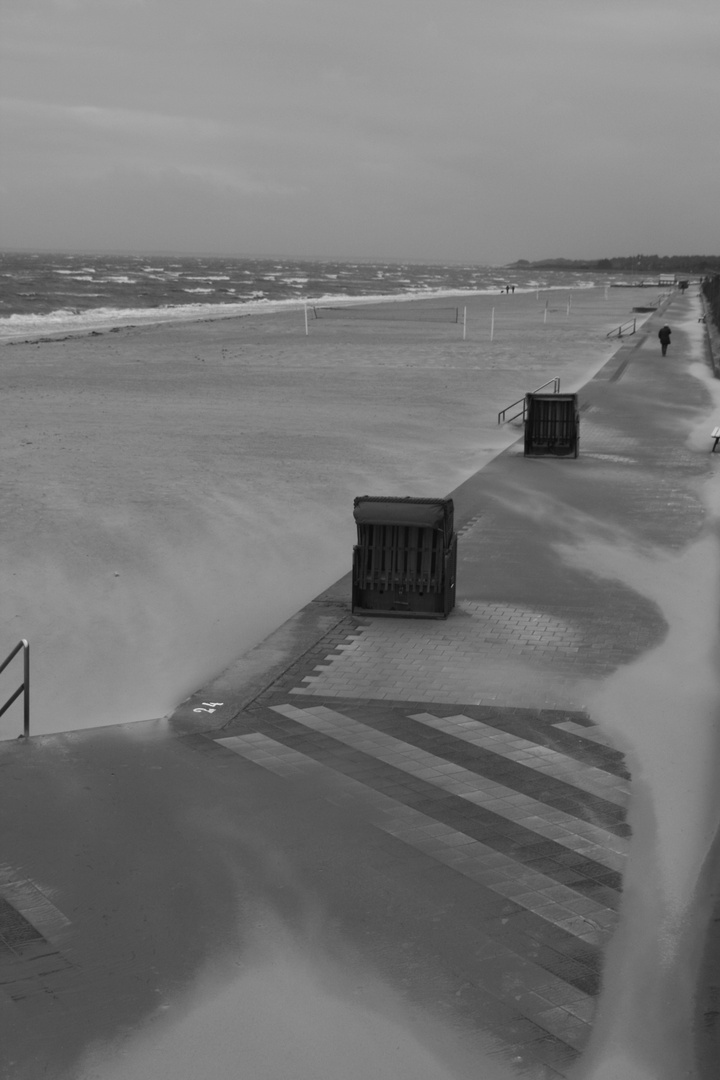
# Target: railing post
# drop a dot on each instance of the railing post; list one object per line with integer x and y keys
{"x": 23, "y": 688}
{"x": 26, "y": 680}
{"x": 555, "y": 383}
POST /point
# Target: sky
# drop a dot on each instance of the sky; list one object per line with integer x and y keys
{"x": 464, "y": 130}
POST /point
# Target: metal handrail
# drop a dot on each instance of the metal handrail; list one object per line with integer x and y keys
{"x": 555, "y": 383}
{"x": 619, "y": 331}
{"x": 24, "y": 685}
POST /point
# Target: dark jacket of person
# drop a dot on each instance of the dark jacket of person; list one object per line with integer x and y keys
{"x": 664, "y": 334}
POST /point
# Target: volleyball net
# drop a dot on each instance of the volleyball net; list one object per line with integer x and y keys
{"x": 390, "y": 312}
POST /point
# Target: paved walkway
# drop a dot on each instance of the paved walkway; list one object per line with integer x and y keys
{"x": 475, "y": 849}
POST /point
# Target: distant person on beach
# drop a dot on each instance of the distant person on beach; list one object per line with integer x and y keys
{"x": 664, "y": 334}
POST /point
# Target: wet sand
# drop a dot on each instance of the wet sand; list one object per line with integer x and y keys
{"x": 172, "y": 493}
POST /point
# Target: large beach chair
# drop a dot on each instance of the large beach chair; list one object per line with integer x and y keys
{"x": 405, "y": 560}
{"x": 552, "y": 425}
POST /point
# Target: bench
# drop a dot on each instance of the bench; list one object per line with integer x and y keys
{"x": 716, "y": 436}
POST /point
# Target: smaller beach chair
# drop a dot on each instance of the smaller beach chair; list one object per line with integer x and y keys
{"x": 552, "y": 425}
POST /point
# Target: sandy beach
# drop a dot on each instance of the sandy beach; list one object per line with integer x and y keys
{"x": 172, "y": 493}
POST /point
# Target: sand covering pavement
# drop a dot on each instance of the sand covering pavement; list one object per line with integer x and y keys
{"x": 617, "y": 550}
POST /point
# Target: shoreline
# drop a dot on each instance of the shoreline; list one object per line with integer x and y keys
{"x": 117, "y": 321}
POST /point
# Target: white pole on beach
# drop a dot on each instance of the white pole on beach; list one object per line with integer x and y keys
{"x": 492, "y": 324}
{"x": 545, "y": 314}
{"x": 464, "y": 323}
{"x": 569, "y": 303}
{"x": 306, "y": 322}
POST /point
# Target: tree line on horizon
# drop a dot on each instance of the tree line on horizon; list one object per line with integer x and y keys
{"x": 711, "y": 291}
{"x": 634, "y": 264}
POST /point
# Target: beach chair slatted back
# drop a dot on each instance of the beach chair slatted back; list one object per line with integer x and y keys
{"x": 404, "y": 560}
{"x": 552, "y": 425}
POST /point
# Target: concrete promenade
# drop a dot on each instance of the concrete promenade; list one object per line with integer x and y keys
{"x": 427, "y": 802}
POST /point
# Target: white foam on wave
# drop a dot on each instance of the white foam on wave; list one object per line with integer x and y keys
{"x": 208, "y": 277}
{"x": 17, "y": 327}
{"x": 65, "y": 320}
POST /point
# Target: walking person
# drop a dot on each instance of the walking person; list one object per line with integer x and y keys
{"x": 664, "y": 334}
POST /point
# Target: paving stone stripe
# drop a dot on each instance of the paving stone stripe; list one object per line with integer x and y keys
{"x": 28, "y": 961}
{"x": 586, "y": 876}
{"x": 556, "y": 1006}
{"x": 593, "y": 734}
{"x": 570, "y": 733}
{"x": 589, "y": 880}
{"x": 539, "y": 994}
{"x": 578, "y": 836}
{"x": 541, "y": 758}
{"x": 559, "y": 793}
{"x": 564, "y": 961}
{"x": 31, "y": 902}
{"x": 525, "y": 886}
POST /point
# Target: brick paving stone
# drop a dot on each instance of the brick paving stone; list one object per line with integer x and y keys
{"x": 416, "y": 663}
{"x": 29, "y": 964}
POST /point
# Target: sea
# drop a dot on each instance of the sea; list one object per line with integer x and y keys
{"x": 57, "y": 293}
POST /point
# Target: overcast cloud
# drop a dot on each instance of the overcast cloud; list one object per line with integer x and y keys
{"x": 479, "y": 130}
